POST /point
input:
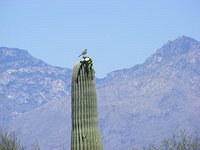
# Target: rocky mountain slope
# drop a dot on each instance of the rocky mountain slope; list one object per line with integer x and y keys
{"x": 155, "y": 99}
{"x": 137, "y": 106}
{"x": 27, "y": 83}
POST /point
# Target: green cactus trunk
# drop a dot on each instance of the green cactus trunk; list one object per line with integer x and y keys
{"x": 85, "y": 132}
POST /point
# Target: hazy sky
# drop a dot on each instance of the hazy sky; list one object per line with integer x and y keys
{"x": 117, "y": 33}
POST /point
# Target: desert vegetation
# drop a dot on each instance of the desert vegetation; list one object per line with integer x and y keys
{"x": 85, "y": 130}
{"x": 180, "y": 141}
{"x": 9, "y": 141}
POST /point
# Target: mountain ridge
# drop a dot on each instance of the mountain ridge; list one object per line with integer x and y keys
{"x": 133, "y": 103}
{"x": 163, "y": 52}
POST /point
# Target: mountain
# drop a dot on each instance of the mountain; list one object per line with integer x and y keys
{"x": 137, "y": 106}
{"x": 27, "y": 83}
{"x": 152, "y": 100}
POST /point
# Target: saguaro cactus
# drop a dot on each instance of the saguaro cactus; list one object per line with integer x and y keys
{"x": 85, "y": 132}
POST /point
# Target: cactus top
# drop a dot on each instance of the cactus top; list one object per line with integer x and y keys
{"x": 87, "y": 63}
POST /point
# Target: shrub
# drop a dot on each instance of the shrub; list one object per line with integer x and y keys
{"x": 181, "y": 141}
{"x": 9, "y": 141}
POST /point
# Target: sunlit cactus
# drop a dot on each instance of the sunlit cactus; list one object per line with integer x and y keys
{"x": 85, "y": 132}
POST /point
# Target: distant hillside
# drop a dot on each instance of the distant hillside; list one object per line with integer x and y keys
{"x": 150, "y": 101}
{"x": 137, "y": 106}
{"x": 27, "y": 82}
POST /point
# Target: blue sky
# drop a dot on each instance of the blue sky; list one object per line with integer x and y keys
{"x": 118, "y": 34}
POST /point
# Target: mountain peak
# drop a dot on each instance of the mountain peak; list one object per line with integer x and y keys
{"x": 179, "y": 46}
{"x": 17, "y": 58}
{"x": 12, "y": 52}
{"x": 185, "y": 38}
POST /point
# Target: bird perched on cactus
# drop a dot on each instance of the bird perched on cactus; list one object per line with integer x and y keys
{"x": 84, "y": 52}
{"x": 85, "y": 133}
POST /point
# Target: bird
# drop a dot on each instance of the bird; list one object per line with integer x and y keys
{"x": 84, "y": 52}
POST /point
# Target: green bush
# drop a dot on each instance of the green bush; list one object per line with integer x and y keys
{"x": 181, "y": 141}
{"x": 9, "y": 141}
